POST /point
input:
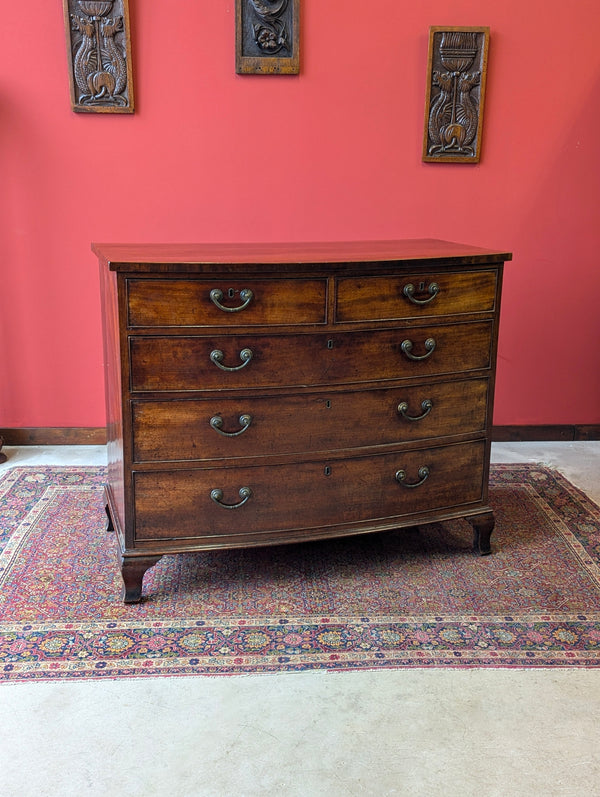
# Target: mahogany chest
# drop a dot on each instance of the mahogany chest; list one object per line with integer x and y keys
{"x": 268, "y": 394}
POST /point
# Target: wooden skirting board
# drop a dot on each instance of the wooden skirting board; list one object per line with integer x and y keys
{"x": 96, "y": 436}
{"x": 508, "y": 434}
{"x": 55, "y": 436}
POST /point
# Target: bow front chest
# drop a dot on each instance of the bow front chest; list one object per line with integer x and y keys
{"x": 267, "y": 394}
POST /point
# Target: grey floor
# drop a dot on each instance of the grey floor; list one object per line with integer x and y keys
{"x": 438, "y": 732}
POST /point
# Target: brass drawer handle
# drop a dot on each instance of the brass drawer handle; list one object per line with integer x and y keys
{"x": 407, "y": 346}
{"x": 216, "y": 296}
{"x": 409, "y": 291}
{"x": 217, "y": 497}
{"x": 426, "y": 406}
{"x": 217, "y": 358}
{"x": 217, "y": 424}
{"x": 423, "y": 473}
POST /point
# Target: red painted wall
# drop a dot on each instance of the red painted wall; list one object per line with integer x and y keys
{"x": 332, "y": 154}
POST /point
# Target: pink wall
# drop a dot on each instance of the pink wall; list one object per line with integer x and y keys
{"x": 332, "y": 154}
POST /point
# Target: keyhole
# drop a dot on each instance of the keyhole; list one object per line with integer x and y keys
{"x": 328, "y": 404}
{"x": 330, "y": 343}
{"x": 327, "y": 470}
{"x": 421, "y": 286}
{"x": 231, "y": 293}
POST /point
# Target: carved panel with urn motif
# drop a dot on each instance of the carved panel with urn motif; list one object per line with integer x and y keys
{"x": 99, "y": 53}
{"x": 456, "y": 77}
{"x": 267, "y": 37}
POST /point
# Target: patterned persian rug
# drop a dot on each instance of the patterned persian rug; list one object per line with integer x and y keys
{"x": 411, "y": 598}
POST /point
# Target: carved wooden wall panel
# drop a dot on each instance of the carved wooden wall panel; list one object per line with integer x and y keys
{"x": 456, "y": 77}
{"x": 267, "y": 37}
{"x": 99, "y": 51}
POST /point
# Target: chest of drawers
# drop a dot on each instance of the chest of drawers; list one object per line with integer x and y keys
{"x": 267, "y": 394}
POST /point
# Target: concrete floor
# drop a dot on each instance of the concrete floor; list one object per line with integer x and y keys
{"x": 408, "y": 732}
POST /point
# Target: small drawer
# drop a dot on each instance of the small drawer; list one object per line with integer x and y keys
{"x": 248, "y": 426}
{"x": 215, "y": 506}
{"x": 234, "y": 362}
{"x": 225, "y": 302}
{"x": 414, "y": 295}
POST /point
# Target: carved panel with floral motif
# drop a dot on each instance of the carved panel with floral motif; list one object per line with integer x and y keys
{"x": 267, "y": 37}
{"x": 455, "y": 94}
{"x": 99, "y": 50}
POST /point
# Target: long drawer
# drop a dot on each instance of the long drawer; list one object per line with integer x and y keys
{"x": 213, "y": 505}
{"x": 225, "y": 302}
{"x": 191, "y": 363}
{"x": 245, "y": 426}
{"x": 414, "y": 295}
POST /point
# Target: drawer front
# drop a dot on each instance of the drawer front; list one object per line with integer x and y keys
{"x": 315, "y": 496}
{"x": 225, "y": 302}
{"x": 196, "y": 363}
{"x": 247, "y": 426}
{"x": 414, "y": 295}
